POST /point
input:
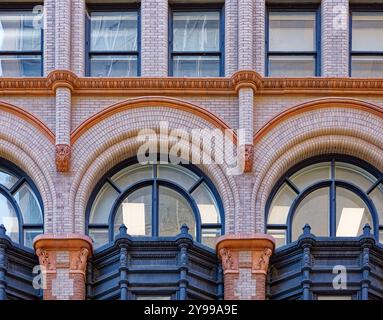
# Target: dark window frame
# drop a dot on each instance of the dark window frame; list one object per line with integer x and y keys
{"x": 155, "y": 183}
{"x": 9, "y": 195}
{"x": 366, "y": 8}
{"x": 332, "y": 183}
{"x": 21, "y": 7}
{"x": 125, "y": 7}
{"x": 218, "y": 7}
{"x": 315, "y": 8}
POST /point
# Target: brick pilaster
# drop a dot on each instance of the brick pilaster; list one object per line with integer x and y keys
{"x": 154, "y": 38}
{"x": 245, "y": 260}
{"x": 335, "y": 38}
{"x": 78, "y": 37}
{"x": 259, "y": 36}
{"x": 231, "y": 37}
{"x": 64, "y": 259}
{"x": 49, "y": 36}
{"x": 62, "y": 34}
{"x": 245, "y": 34}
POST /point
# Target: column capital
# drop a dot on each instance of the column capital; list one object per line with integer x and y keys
{"x": 260, "y": 247}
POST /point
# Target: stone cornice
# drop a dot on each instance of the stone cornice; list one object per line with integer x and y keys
{"x": 188, "y": 86}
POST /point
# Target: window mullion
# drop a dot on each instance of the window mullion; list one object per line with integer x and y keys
{"x": 155, "y": 205}
{"x": 332, "y": 201}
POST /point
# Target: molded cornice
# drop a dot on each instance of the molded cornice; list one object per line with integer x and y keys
{"x": 189, "y": 86}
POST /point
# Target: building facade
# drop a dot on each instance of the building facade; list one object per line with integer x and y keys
{"x": 290, "y": 206}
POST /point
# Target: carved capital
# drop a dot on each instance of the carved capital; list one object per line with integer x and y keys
{"x": 45, "y": 259}
{"x": 261, "y": 260}
{"x": 63, "y": 155}
{"x": 248, "y": 155}
{"x": 78, "y": 260}
{"x": 229, "y": 260}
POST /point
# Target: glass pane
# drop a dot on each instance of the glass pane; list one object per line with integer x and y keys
{"x": 143, "y": 297}
{"x": 196, "y": 66}
{"x": 311, "y": 174}
{"x": 136, "y": 213}
{"x": 20, "y": 31}
{"x": 281, "y": 204}
{"x": 353, "y": 174}
{"x": 367, "y": 28}
{"x": 210, "y": 236}
{"x": 381, "y": 236}
{"x": 279, "y": 236}
{"x": 292, "y": 31}
{"x": 334, "y": 297}
{"x": 207, "y": 206}
{"x": 174, "y": 211}
{"x": 9, "y": 219}
{"x": 29, "y": 205}
{"x": 20, "y": 66}
{"x": 313, "y": 210}
{"x": 113, "y": 66}
{"x": 113, "y": 31}
{"x": 376, "y": 196}
{"x": 99, "y": 237}
{"x": 102, "y": 205}
{"x": 196, "y": 31}
{"x": 132, "y": 174}
{"x": 7, "y": 179}
{"x": 29, "y": 235}
{"x": 367, "y": 66}
{"x": 291, "y": 66}
{"x": 351, "y": 214}
{"x": 177, "y": 174}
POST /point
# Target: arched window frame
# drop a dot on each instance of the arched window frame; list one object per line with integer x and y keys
{"x": 9, "y": 195}
{"x": 332, "y": 183}
{"x": 155, "y": 182}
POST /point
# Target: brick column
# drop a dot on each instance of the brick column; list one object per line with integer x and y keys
{"x": 245, "y": 34}
{"x": 335, "y": 38}
{"x": 62, "y": 34}
{"x": 78, "y": 37}
{"x": 231, "y": 37}
{"x": 154, "y": 38}
{"x": 49, "y": 36}
{"x": 64, "y": 259}
{"x": 245, "y": 261}
{"x": 259, "y": 36}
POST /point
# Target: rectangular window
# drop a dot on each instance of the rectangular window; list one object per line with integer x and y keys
{"x": 292, "y": 44}
{"x": 20, "y": 43}
{"x": 196, "y": 43}
{"x": 113, "y": 46}
{"x": 367, "y": 44}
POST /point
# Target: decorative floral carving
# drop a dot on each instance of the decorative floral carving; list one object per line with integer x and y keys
{"x": 80, "y": 260}
{"x": 248, "y": 157}
{"x": 227, "y": 259}
{"x": 63, "y": 155}
{"x": 44, "y": 259}
{"x": 262, "y": 261}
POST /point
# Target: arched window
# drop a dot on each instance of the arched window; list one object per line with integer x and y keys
{"x": 21, "y": 210}
{"x": 154, "y": 200}
{"x": 337, "y": 196}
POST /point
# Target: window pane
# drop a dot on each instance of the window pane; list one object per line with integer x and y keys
{"x": 136, "y": 213}
{"x": 351, "y": 214}
{"x": 292, "y": 31}
{"x": 20, "y": 31}
{"x": 113, "y": 66}
{"x": 29, "y": 205}
{"x": 29, "y": 235}
{"x": 353, "y": 174}
{"x": 279, "y": 236}
{"x": 177, "y": 174}
{"x": 376, "y": 196}
{"x": 367, "y": 28}
{"x": 20, "y": 66}
{"x": 99, "y": 237}
{"x": 132, "y": 174}
{"x": 291, "y": 66}
{"x": 196, "y": 31}
{"x": 206, "y": 204}
{"x": 103, "y": 204}
{"x": 143, "y": 297}
{"x": 210, "y": 236}
{"x": 322, "y": 297}
{"x": 9, "y": 219}
{"x": 311, "y": 174}
{"x": 367, "y": 66}
{"x": 7, "y": 179}
{"x": 196, "y": 66}
{"x": 313, "y": 210}
{"x": 281, "y": 204}
{"x": 174, "y": 211}
{"x": 113, "y": 31}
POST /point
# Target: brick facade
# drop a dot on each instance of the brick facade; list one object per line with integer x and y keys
{"x": 282, "y": 125}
